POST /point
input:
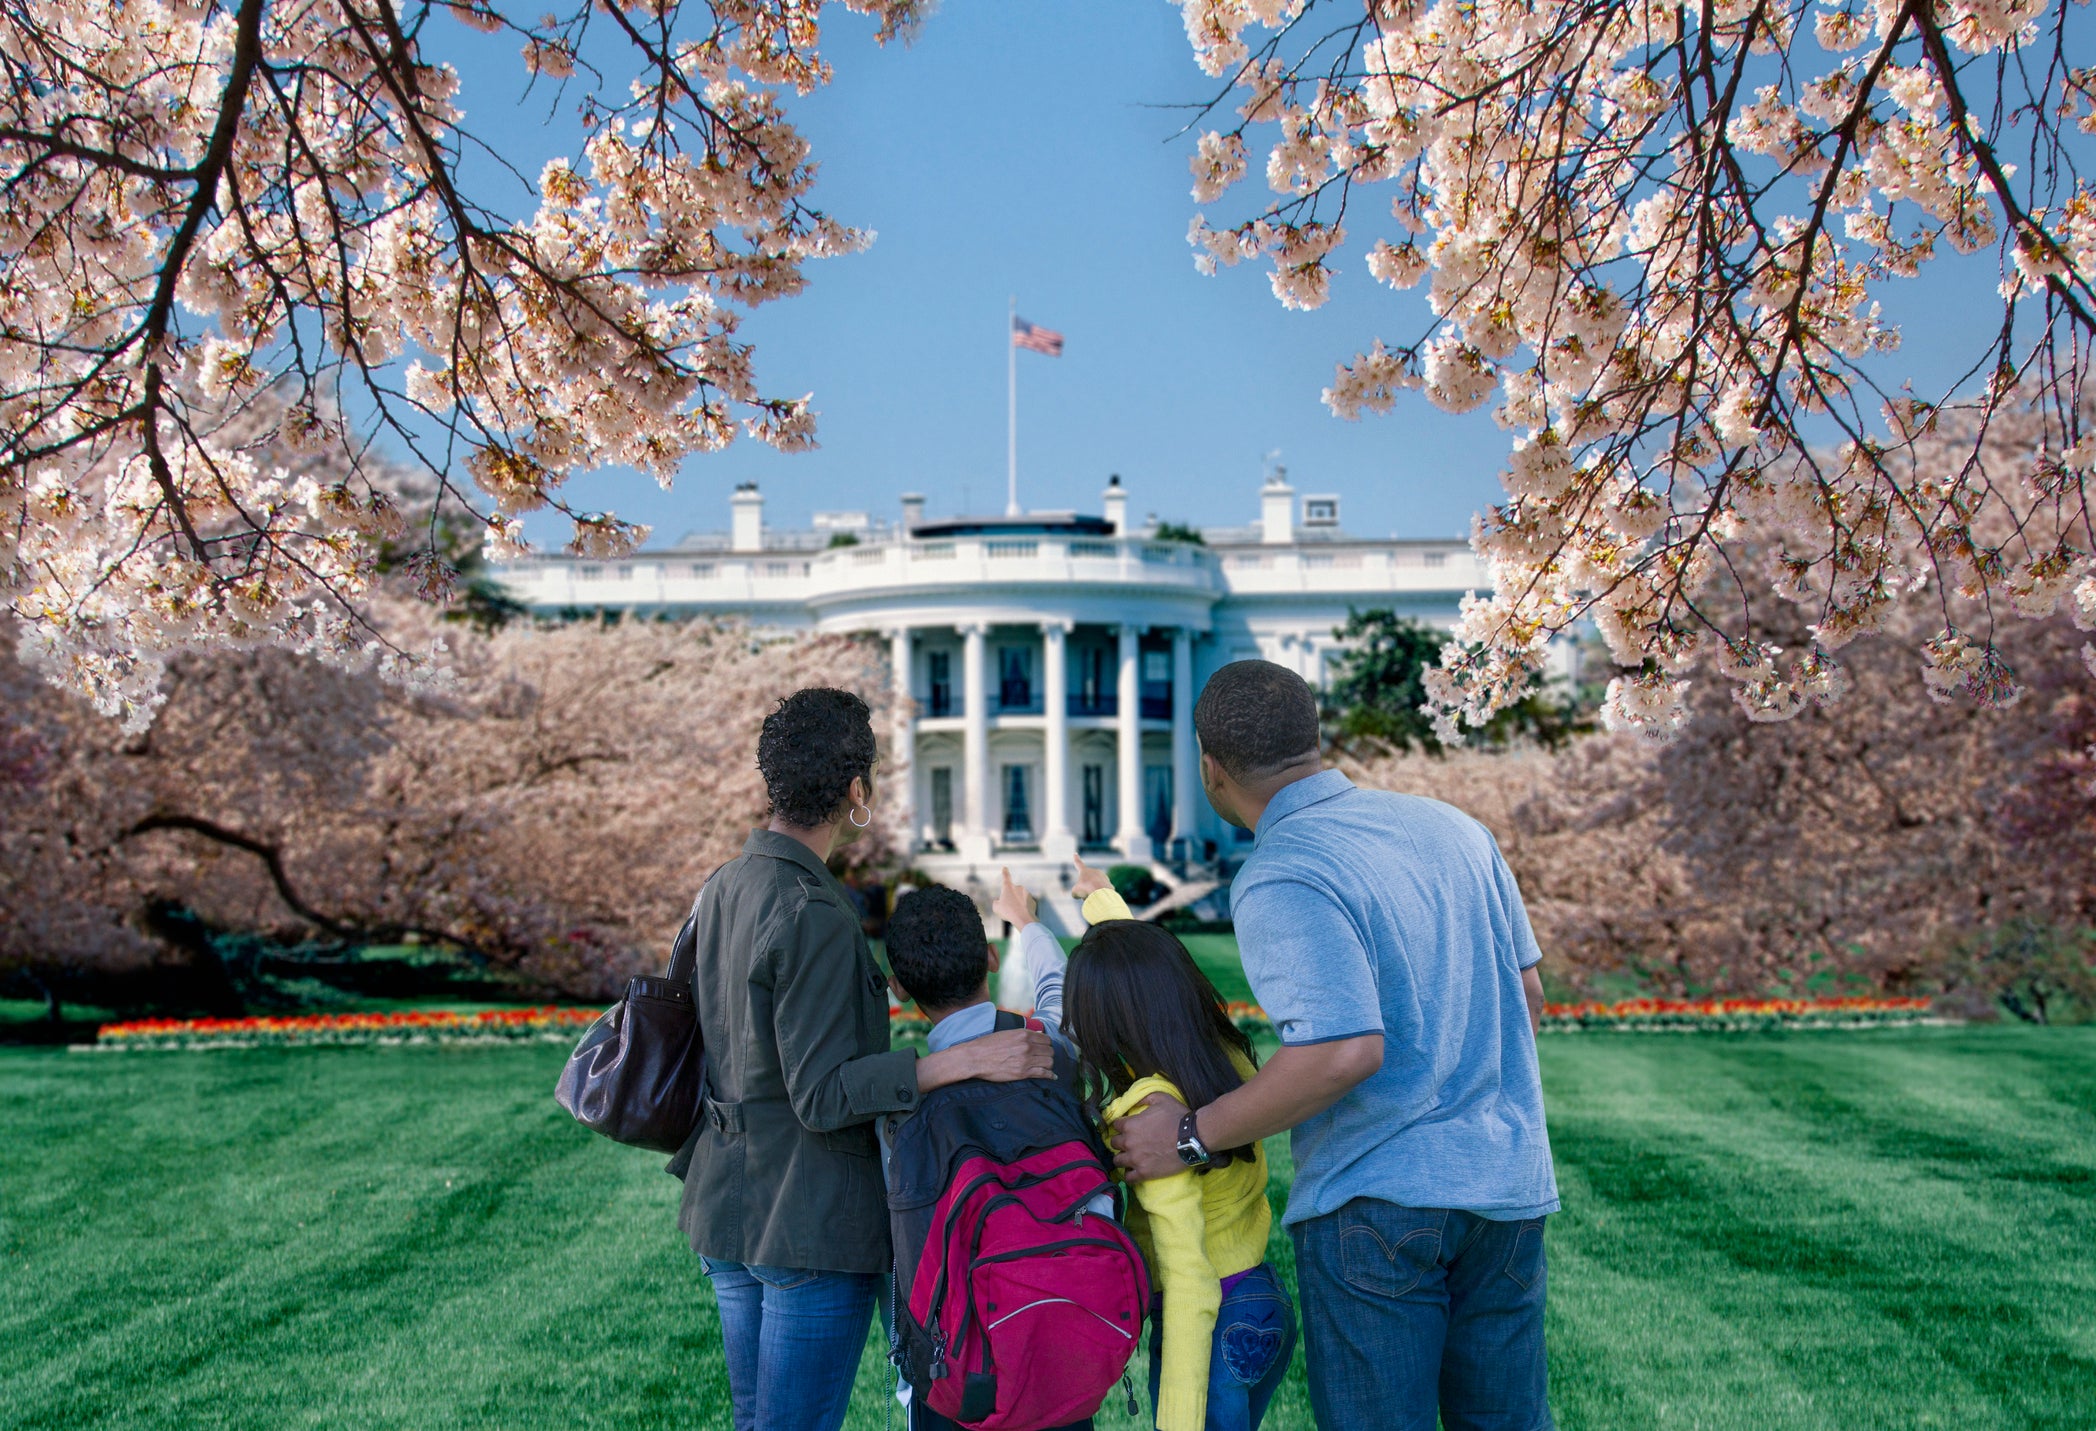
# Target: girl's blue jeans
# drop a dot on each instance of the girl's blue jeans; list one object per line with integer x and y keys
{"x": 1248, "y": 1356}
{"x": 793, "y": 1339}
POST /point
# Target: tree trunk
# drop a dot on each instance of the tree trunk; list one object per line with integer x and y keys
{"x": 176, "y": 926}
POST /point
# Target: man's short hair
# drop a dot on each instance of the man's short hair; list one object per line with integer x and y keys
{"x": 811, "y": 749}
{"x": 1256, "y": 718}
{"x": 936, "y": 947}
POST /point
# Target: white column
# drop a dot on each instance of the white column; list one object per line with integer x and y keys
{"x": 1134, "y": 843}
{"x": 1057, "y": 843}
{"x": 1183, "y": 741}
{"x": 974, "y": 842}
{"x": 900, "y": 786}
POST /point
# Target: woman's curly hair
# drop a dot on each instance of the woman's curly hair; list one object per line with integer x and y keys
{"x": 812, "y": 747}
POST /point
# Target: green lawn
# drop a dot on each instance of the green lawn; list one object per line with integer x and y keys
{"x": 1833, "y": 1230}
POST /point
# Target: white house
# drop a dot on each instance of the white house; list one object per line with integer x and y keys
{"x": 1052, "y": 659}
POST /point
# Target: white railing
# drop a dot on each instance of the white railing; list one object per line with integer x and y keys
{"x": 723, "y": 580}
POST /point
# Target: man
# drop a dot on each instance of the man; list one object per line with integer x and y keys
{"x": 1385, "y": 937}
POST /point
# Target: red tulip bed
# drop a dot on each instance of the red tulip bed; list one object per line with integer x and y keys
{"x": 1733, "y": 1015}
{"x": 310, "y": 1030}
{"x": 513, "y": 1025}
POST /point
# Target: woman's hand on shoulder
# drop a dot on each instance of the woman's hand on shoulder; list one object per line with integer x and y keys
{"x": 1004, "y": 1057}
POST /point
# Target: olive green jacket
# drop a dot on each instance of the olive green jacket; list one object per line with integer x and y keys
{"x": 794, "y": 1010}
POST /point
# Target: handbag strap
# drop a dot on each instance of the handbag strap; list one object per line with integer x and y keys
{"x": 684, "y": 951}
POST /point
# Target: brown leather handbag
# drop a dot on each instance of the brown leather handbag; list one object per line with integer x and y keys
{"x": 639, "y": 1072}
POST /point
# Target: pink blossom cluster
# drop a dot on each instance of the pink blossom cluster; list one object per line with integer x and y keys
{"x": 1656, "y": 236}
{"x": 209, "y": 201}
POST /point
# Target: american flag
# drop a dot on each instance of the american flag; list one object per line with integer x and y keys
{"x": 1036, "y": 339}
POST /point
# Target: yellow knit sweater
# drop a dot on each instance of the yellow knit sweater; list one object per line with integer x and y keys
{"x": 1195, "y": 1229}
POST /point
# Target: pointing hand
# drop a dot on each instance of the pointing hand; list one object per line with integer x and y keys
{"x": 1014, "y": 905}
{"x": 1089, "y": 880}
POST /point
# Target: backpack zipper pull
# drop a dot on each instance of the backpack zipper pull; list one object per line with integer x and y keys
{"x": 939, "y": 1367}
{"x": 1129, "y": 1387}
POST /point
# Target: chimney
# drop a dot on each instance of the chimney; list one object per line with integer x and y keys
{"x": 1116, "y": 497}
{"x": 912, "y": 511}
{"x": 1276, "y": 509}
{"x": 748, "y": 532}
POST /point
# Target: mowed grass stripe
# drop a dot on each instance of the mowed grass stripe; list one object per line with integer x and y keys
{"x": 1837, "y": 1227}
{"x": 1838, "y": 1230}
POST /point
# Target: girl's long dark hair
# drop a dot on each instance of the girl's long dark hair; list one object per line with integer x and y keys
{"x": 1135, "y": 1003}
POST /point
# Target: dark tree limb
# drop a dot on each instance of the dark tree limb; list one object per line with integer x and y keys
{"x": 272, "y": 861}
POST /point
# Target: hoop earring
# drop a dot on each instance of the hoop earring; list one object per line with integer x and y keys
{"x": 862, "y": 810}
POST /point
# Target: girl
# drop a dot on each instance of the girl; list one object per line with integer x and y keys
{"x": 1147, "y": 1020}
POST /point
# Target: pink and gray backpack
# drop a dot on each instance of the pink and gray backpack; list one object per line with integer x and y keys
{"x": 1024, "y": 1302}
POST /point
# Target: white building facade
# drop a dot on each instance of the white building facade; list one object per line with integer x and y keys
{"x": 1051, "y": 660}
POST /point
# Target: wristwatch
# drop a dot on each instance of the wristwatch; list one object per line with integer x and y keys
{"x": 1192, "y": 1151}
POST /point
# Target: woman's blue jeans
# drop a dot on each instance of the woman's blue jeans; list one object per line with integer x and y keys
{"x": 1248, "y": 1355}
{"x": 793, "y": 1339}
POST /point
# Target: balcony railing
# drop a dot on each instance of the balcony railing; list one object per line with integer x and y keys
{"x": 1050, "y": 559}
{"x": 1103, "y": 704}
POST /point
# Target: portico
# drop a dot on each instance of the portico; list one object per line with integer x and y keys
{"x": 1018, "y": 758}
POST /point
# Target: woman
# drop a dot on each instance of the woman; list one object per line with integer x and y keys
{"x": 783, "y": 1201}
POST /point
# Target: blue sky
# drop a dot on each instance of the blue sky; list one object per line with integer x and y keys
{"x": 1026, "y": 147}
{"x": 1022, "y": 147}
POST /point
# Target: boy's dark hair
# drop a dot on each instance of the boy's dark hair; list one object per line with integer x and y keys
{"x": 936, "y": 947}
{"x": 1256, "y": 718}
{"x": 1135, "y": 1003}
{"x": 811, "y": 749}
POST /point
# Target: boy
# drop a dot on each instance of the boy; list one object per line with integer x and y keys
{"x": 942, "y": 962}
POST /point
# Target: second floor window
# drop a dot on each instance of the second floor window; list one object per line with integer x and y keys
{"x": 1094, "y": 683}
{"x": 941, "y": 664}
{"x": 1015, "y": 677}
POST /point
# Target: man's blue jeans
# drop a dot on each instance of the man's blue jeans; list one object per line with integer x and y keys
{"x": 1248, "y": 1354}
{"x": 1410, "y": 1311}
{"x": 793, "y": 1339}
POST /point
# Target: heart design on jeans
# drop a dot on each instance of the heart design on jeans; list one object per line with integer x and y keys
{"x": 1249, "y": 1351}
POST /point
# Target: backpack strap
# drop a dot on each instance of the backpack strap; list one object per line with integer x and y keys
{"x": 1006, "y": 1021}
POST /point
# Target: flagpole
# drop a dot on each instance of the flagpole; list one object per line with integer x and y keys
{"x": 1011, "y": 410}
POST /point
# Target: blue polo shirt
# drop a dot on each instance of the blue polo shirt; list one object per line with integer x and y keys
{"x": 1368, "y": 912}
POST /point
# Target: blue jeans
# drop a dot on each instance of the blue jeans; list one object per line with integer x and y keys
{"x": 1412, "y": 1310}
{"x": 793, "y": 1339}
{"x": 1248, "y": 1354}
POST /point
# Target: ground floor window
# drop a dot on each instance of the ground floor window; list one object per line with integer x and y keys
{"x": 942, "y": 804}
{"x": 1018, "y": 810}
{"x": 1157, "y": 801}
{"x": 1095, "y": 804}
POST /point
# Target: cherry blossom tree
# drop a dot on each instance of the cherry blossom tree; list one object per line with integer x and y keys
{"x": 1896, "y": 844}
{"x": 553, "y": 811}
{"x": 1659, "y": 236}
{"x": 206, "y": 200}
